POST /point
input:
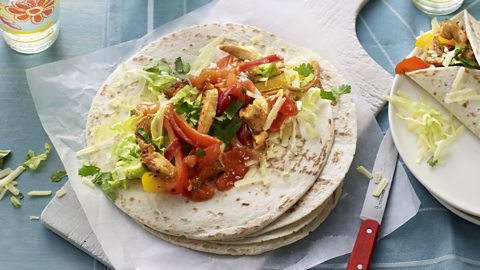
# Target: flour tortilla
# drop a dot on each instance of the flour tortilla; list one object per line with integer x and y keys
{"x": 438, "y": 83}
{"x": 235, "y": 213}
{"x": 253, "y": 248}
{"x": 472, "y": 30}
{"x": 313, "y": 203}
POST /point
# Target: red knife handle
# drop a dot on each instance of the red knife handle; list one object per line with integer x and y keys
{"x": 362, "y": 252}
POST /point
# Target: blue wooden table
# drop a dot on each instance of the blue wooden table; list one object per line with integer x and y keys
{"x": 434, "y": 239}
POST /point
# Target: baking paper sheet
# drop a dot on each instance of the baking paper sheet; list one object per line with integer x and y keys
{"x": 63, "y": 92}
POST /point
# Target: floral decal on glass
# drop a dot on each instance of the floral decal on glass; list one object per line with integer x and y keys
{"x": 34, "y": 11}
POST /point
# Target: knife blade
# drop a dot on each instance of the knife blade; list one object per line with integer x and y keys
{"x": 374, "y": 207}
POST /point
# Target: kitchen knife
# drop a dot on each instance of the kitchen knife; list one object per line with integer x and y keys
{"x": 374, "y": 207}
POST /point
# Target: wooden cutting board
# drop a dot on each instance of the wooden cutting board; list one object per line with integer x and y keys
{"x": 65, "y": 216}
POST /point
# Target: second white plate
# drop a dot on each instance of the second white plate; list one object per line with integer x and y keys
{"x": 456, "y": 179}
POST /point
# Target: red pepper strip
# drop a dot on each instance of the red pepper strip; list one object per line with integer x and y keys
{"x": 181, "y": 181}
{"x": 189, "y": 134}
{"x": 410, "y": 64}
{"x": 176, "y": 128}
{"x": 265, "y": 60}
{"x": 171, "y": 148}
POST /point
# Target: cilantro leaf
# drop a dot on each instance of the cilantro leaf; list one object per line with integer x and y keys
{"x": 33, "y": 161}
{"x": 232, "y": 109}
{"x": 88, "y": 170}
{"x": 157, "y": 66}
{"x": 144, "y": 135}
{"x": 304, "y": 69}
{"x": 3, "y": 154}
{"x": 225, "y": 126}
{"x": 335, "y": 92}
{"x": 190, "y": 110}
{"x": 57, "y": 176}
{"x": 102, "y": 179}
{"x": 181, "y": 67}
{"x": 226, "y": 130}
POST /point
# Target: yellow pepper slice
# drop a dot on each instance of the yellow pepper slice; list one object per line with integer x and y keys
{"x": 425, "y": 40}
{"x": 443, "y": 40}
{"x": 152, "y": 183}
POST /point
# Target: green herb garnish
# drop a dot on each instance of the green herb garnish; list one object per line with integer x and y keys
{"x": 102, "y": 179}
{"x": 335, "y": 92}
{"x": 304, "y": 69}
{"x": 181, "y": 67}
{"x": 144, "y": 135}
{"x": 57, "y": 176}
{"x": 88, "y": 170}
{"x": 225, "y": 126}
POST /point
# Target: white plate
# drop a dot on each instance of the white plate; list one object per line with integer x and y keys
{"x": 467, "y": 217}
{"x": 456, "y": 179}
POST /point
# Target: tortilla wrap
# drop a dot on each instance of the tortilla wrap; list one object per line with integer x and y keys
{"x": 472, "y": 31}
{"x": 438, "y": 83}
{"x": 253, "y": 248}
{"x": 237, "y": 212}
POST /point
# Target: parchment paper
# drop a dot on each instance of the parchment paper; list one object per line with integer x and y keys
{"x": 63, "y": 92}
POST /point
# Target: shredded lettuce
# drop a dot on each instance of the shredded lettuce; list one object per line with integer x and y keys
{"x": 435, "y": 130}
{"x": 33, "y": 161}
{"x": 307, "y": 117}
{"x": 156, "y": 129}
{"x": 127, "y": 155}
{"x": 208, "y": 54}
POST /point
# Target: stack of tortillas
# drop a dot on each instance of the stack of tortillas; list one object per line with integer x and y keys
{"x": 303, "y": 187}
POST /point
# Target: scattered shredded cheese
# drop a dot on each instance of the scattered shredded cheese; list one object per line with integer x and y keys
{"x": 448, "y": 58}
{"x": 5, "y": 172}
{"x": 88, "y": 182}
{"x": 246, "y": 182}
{"x": 14, "y": 190}
{"x": 60, "y": 193}
{"x": 12, "y": 176}
{"x": 377, "y": 176}
{"x": 34, "y": 218}
{"x": 34, "y": 193}
{"x": 380, "y": 187}
{"x": 95, "y": 148}
{"x": 364, "y": 171}
{"x": 273, "y": 112}
{"x": 2, "y": 193}
{"x": 457, "y": 82}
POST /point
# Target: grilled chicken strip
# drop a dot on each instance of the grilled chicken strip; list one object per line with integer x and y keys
{"x": 209, "y": 109}
{"x": 239, "y": 52}
{"x": 254, "y": 116}
{"x": 154, "y": 161}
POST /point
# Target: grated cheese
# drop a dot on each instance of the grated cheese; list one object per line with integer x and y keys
{"x": 14, "y": 190}
{"x": 12, "y": 176}
{"x": 34, "y": 218}
{"x": 5, "y": 172}
{"x": 380, "y": 187}
{"x": 34, "y": 193}
{"x": 88, "y": 182}
{"x": 377, "y": 176}
{"x": 273, "y": 112}
{"x": 364, "y": 171}
{"x": 457, "y": 82}
{"x": 60, "y": 193}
